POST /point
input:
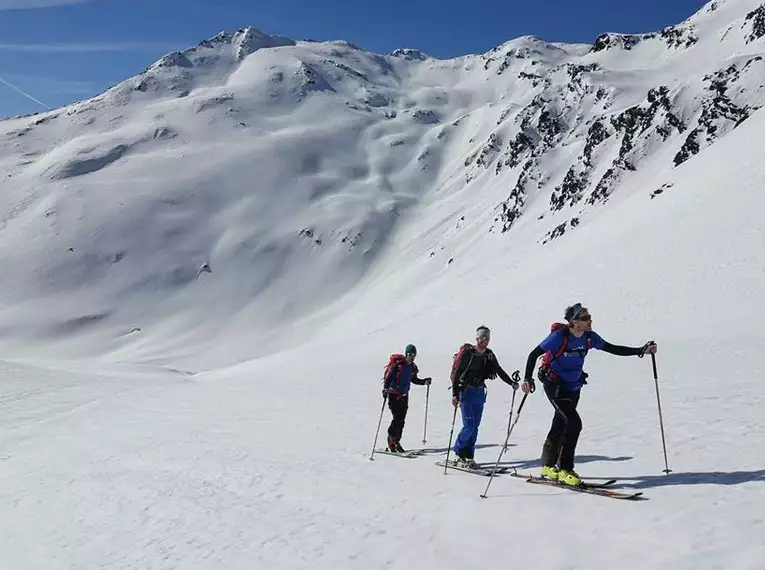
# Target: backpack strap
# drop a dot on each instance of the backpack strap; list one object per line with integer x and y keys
{"x": 400, "y": 362}
{"x": 396, "y": 363}
{"x": 563, "y": 344}
{"x": 458, "y": 383}
{"x": 470, "y": 348}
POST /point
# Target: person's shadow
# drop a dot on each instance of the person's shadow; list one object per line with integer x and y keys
{"x": 634, "y": 482}
{"x": 649, "y": 481}
{"x": 690, "y": 478}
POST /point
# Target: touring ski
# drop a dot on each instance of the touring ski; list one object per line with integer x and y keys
{"x": 485, "y": 471}
{"x": 405, "y": 454}
{"x": 591, "y": 488}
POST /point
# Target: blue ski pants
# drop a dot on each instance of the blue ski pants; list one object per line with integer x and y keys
{"x": 471, "y": 406}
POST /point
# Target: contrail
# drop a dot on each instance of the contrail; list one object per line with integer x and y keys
{"x": 24, "y": 93}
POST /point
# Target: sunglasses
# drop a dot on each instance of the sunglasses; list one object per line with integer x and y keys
{"x": 585, "y": 318}
{"x": 411, "y": 354}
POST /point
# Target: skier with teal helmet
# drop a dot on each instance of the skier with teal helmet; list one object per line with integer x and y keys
{"x": 400, "y": 375}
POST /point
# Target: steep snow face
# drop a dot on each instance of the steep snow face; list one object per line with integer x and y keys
{"x": 259, "y": 185}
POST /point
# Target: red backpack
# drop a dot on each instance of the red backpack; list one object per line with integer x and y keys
{"x": 397, "y": 361}
{"x": 548, "y": 357}
{"x": 456, "y": 360}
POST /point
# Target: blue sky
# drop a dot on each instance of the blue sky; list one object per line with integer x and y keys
{"x": 59, "y": 51}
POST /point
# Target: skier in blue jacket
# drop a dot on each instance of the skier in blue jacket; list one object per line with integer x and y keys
{"x": 562, "y": 376}
{"x": 402, "y": 374}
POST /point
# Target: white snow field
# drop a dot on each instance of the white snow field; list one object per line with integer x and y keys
{"x": 206, "y": 268}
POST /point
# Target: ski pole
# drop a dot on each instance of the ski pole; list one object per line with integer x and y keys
{"x": 517, "y": 378}
{"x": 501, "y": 451}
{"x": 377, "y": 433}
{"x": 425, "y": 431}
{"x": 451, "y": 435}
{"x": 661, "y": 420}
{"x": 509, "y": 421}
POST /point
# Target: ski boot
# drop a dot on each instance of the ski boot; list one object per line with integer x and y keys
{"x": 550, "y": 472}
{"x": 467, "y": 463}
{"x": 569, "y": 477}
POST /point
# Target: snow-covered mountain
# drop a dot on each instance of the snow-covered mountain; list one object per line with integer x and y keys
{"x": 252, "y": 180}
{"x": 207, "y": 266}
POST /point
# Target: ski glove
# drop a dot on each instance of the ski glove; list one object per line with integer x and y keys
{"x": 427, "y": 381}
{"x": 648, "y": 348}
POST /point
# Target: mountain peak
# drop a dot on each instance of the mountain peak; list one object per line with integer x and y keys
{"x": 410, "y": 54}
{"x": 245, "y": 41}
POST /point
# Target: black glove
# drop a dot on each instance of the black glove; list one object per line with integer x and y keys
{"x": 385, "y": 393}
{"x": 648, "y": 348}
{"x": 427, "y": 381}
{"x": 584, "y": 377}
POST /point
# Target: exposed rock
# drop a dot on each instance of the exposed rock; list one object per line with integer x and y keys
{"x": 571, "y": 189}
{"x": 512, "y": 207}
{"x": 661, "y": 190}
{"x": 676, "y": 36}
{"x": 409, "y": 54}
{"x": 756, "y": 19}
{"x": 426, "y": 116}
{"x": 616, "y": 41}
{"x": 719, "y": 114}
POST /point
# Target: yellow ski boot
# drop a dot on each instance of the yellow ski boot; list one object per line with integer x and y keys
{"x": 569, "y": 477}
{"x": 550, "y": 472}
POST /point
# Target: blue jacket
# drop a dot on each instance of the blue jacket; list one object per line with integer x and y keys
{"x": 570, "y": 364}
{"x": 567, "y": 368}
{"x": 401, "y": 377}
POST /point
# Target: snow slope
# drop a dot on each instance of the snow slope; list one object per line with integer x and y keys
{"x": 157, "y": 415}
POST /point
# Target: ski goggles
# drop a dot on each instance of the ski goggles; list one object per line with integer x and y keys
{"x": 576, "y": 310}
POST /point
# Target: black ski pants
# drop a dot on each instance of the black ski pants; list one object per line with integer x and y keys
{"x": 560, "y": 446}
{"x": 399, "y": 406}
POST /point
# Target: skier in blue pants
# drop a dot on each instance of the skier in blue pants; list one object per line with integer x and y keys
{"x": 475, "y": 364}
